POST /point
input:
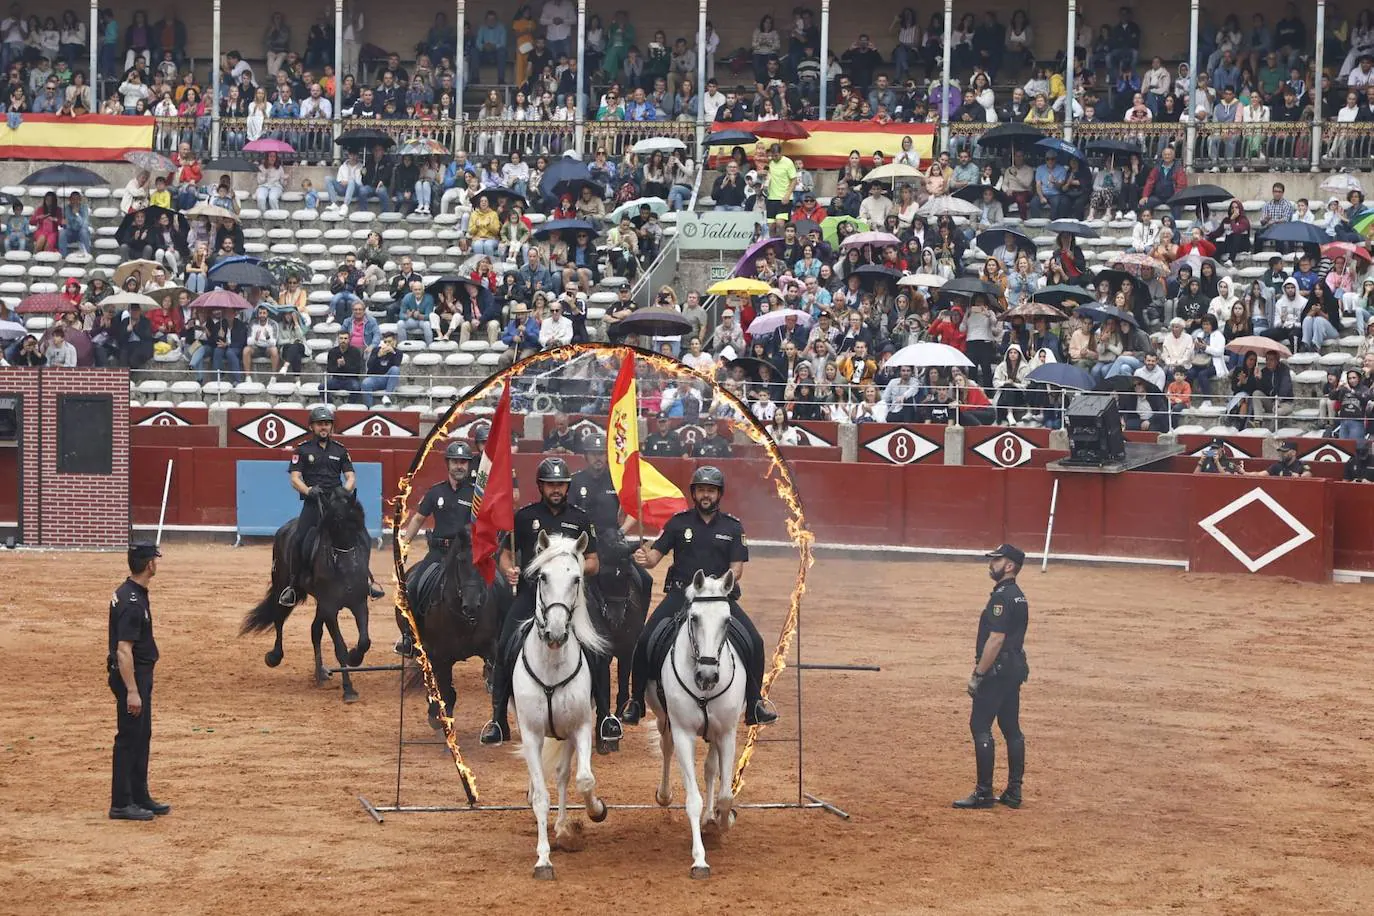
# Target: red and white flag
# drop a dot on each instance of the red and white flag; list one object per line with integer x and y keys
{"x": 493, "y": 496}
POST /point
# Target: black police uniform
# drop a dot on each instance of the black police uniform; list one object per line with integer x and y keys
{"x": 451, "y": 509}
{"x": 709, "y": 545}
{"x": 663, "y": 445}
{"x": 594, "y": 493}
{"x": 716, "y": 446}
{"x": 1219, "y": 463}
{"x": 999, "y": 695}
{"x": 131, "y": 620}
{"x": 321, "y": 463}
{"x": 1360, "y": 467}
{"x": 1282, "y": 469}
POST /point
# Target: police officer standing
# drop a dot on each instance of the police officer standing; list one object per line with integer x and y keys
{"x": 319, "y": 464}
{"x": 1216, "y": 459}
{"x": 449, "y": 503}
{"x": 551, "y": 515}
{"x": 1288, "y": 464}
{"x": 712, "y": 444}
{"x": 663, "y": 442}
{"x": 999, "y": 670}
{"x": 707, "y": 539}
{"x": 133, "y": 653}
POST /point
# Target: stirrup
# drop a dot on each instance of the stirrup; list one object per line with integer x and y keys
{"x": 405, "y": 646}
{"x": 494, "y": 733}
{"x": 374, "y": 590}
{"x": 610, "y": 730}
{"x": 763, "y": 713}
{"x": 634, "y": 711}
{"x": 287, "y": 598}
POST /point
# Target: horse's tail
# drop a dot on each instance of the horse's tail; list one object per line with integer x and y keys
{"x": 267, "y": 614}
{"x": 553, "y": 747}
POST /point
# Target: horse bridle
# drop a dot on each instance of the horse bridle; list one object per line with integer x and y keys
{"x": 550, "y": 689}
{"x": 699, "y": 659}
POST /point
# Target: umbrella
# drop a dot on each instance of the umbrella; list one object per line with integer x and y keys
{"x": 565, "y": 169}
{"x": 1062, "y": 147}
{"x": 1061, "y": 293}
{"x": 364, "y": 136}
{"x": 221, "y": 299}
{"x": 926, "y": 354}
{"x": 947, "y": 205}
{"x": 572, "y": 187}
{"x": 830, "y": 227}
{"x": 143, "y": 268}
{"x": 654, "y": 322}
{"x": 284, "y": 268}
{"x": 744, "y": 267}
{"x": 1115, "y": 277}
{"x": 752, "y": 366}
{"x": 44, "y": 304}
{"x": 149, "y": 161}
{"x": 434, "y": 286}
{"x": 1294, "y": 231}
{"x": 1362, "y": 224}
{"x": 81, "y": 342}
{"x": 241, "y": 273}
{"x": 1103, "y": 312}
{"x": 160, "y": 296}
{"x": 631, "y": 209}
{"x": 930, "y": 281}
{"x": 422, "y": 146}
{"x": 66, "y": 176}
{"x": 860, "y": 239}
{"x": 731, "y": 137}
{"x": 1112, "y": 147}
{"x": 781, "y": 130}
{"x": 212, "y": 211}
{"x": 544, "y": 230}
{"x": 130, "y": 299}
{"x": 746, "y": 286}
{"x": 1341, "y": 184}
{"x": 268, "y": 145}
{"x": 1010, "y": 134}
{"x": 658, "y": 145}
{"x": 1124, "y": 383}
{"x": 872, "y": 273}
{"x": 1135, "y": 263}
{"x": 973, "y": 193}
{"x": 769, "y": 322}
{"x": 1345, "y": 250}
{"x": 892, "y": 171}
{"x": 8, "y": 200}
{"x": 970, "y": 286}
{"x": 990, "y": 240}
{"x": 229, "y": 164}
{"x": 1033, "y": 310}
{"x": 1072, "y": 227}
{"x": 1201, "y": 194}
{"x": 151, "y": 216}
{"x": 492, "y": 194}
{"x": 12, "y": 330}
{"x": 805, "y": 227}
{"x": 1061, "y": 375}
{"x": 1258, "y": 345}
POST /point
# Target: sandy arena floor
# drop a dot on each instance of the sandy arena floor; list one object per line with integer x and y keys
{"x": 1196, "y": 745}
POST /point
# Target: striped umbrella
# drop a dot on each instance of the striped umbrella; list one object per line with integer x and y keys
{"x": 423, "y": 146}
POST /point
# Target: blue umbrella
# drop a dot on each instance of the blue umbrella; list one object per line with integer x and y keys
{"x": 1063, "y": 375}
{"x": 241, "y": 272}
{"x": 544, "y": 230}
{"x": 1062, "y": 148}
{"x": 1072, "y": 227}
{"x": 1295, "y": 231}
{"x": 1103, "y": 312}
{"x": 565, "y": 169}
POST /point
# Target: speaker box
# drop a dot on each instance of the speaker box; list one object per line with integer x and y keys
{"x": 1094, "y": 426}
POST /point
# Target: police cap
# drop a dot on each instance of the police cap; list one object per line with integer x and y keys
{"x": 708, "y": 475}
{"x": 1288, "y": 445}
{"x": 554, "y": 470}
{"x": 594, "y": 441}
{"x": 1009, "y": 552}
{"x": 143, "y": 550}
{"x": 321, "y": 413}
{"x": 458, "y": 451}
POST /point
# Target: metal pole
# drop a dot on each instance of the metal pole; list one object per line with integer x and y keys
{"x": 1068, "y": 73}
{"x": 93, "y": 78}
{"x": 1049, "y": 528}
{"x": 338, "y": 75}
{"x": 701, "y": 85}
{"x": 944, "y": 77}
{"x": 162, "y": 513}
{"x": 400, "y": 733}
{"x": 1190, "y": 130}
{"x": 214, "y": 81}
{"x": 460, "y": 80}
{"x": 580, "y": 124}
{"x": 461, "y": 12}
{"x": 1315, "y": 90}
{"x": 825, "y": 60}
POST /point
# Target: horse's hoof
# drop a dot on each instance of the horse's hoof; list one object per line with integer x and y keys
{"x": 701, "y": 872}
{"x": 350, "y": 696}
{"x": 322, "y": 677}
{"x": 273, "y": 659}
{"x": 543, "y": 872}
{"x": 597, "y": 815}
{"x": 664, "y": 800}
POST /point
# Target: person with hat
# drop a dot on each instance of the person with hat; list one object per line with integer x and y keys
{"x": 479, "y": 435}
{"x": 663, "y": 442}
{"x": 701, "y": 538}
{"x": 1288, "y": 464}
{"x": 712, "y": 443}
{"x": 521, "y": 335}
{"x": 132, "y": 656}
{"x": 1216, "y": 459}
{"x": 1360, "y": 467}
{"x": 319, "y": 464}
{"x": 552, "y": 514}
{"x": 593, "y": 491}
{"x": 449, "y": 503}
{"x": 999, "y": 670}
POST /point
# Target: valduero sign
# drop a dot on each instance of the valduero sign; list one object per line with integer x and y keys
{"x": 718, "y": 230}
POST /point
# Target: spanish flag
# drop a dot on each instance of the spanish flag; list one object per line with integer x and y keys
{"x": 645, "y": 494}
{"x": 89, "y": 138}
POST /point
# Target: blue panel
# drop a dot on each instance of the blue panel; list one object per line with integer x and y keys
{"x": 265, "y": 500}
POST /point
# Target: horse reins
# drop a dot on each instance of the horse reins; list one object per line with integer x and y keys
{"x": 698, "y": 658}
{"x": 548, "y": 689}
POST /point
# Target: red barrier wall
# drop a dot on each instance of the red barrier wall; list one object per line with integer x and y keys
{"x": 9, "y": 486}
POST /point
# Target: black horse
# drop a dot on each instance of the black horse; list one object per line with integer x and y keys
{"x": 626, "y": 605}
{"x": 458, "y": 618}
{"x": 336, "y": 560}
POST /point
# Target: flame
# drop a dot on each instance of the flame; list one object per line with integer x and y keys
{"x": 797, "y": 532}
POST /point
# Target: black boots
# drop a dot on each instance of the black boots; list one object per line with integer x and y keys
{"x": 1016, "y": 768}
{"x": 985, "y": 754}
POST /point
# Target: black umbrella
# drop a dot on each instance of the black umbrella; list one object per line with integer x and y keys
{"x": 1114, "y": 277}
{"x": 1294, "y": 231}
{"x": 805, "y": 227}
{"x": 8, "y": 200}
{"x": 449, "y": 280}
{"x": 493, "y": 194}
{"x": 974, "y": 194}
{"x": 573, "y": 187}
{"x": 565, "y": 169}
{"x": 1201, "y": 194}
{"x": 869, "y": 274}
{"x": 967, "y": 287}
{"x": 151, "y": 217}
{"x": 67, "y": 176}
{"x": 1072, "y": 227}
{"x": 242, "y": 273}
{"x": 731, "y": 137}
{"x": 364, "y": 137}
{"x": 990, "y": 239}
{"x": 1126, "y": 383}
{"x": 1061, "y": 293}
{"x": 229, "y": 164}
{"x": 1012, "y": 133}
{"x": 1112, "y": 146}
{"x": 753, "y": 367}
{"x": 1103, "y": 312}
{"x": 571, "y": 226}
{"x": 654, "y": 322}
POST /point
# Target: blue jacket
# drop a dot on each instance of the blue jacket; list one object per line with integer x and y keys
{"x": 531, "y": 333}
{"x": 372, "y": 334}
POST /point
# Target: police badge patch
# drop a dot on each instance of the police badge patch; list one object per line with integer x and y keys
{"x": 535, "y": 524}
{"x": 440, "y": 503}
{"x": 687, "y": 534}
{"x": 997, "y": 610}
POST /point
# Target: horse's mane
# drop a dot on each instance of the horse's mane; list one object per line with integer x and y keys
{"x": 343, "y": 521}
{"x": 562, "y": 546}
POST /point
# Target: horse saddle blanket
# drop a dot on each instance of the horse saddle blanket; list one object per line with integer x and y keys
{"x": 661, "y": 642}
{"x": 422, "y": 583}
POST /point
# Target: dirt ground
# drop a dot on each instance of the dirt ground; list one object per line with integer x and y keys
{"x": 1196, "y": 744}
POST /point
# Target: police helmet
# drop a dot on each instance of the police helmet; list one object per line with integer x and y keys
{"x": 481, "y": 434}
{"x": 554, "y": 470}
{"x": 594, "y": 442}
{"x": 458, "y": 451}
{"x": 321, "y": 413}
{"x": 708, "y": 475}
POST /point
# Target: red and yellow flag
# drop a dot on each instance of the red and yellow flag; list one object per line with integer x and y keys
{"x": 645, "y": 493}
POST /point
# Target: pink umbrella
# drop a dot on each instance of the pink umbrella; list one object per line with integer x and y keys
{"x": 221, "y": 299}
{"x": 1258, "y": 345}
{"x": 771, "y": 321}
{"x": 268, "y": 145}
{"x": 860, "y": 239}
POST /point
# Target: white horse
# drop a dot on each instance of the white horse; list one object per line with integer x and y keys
{"x": 552, "y": 687}
{"x": 703, "y": 687}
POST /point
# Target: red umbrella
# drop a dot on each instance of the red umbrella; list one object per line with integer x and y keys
{"x": 780, "y": 130}
{"x": 45, "y": 304}
{"x": 1346, "y": 250}
{"x": 268, "y": 145}
{"x": 1259, "y": 345}
{"x": 221, "y": 299}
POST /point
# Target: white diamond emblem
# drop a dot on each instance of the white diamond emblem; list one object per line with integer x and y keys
{"x": 1301, "y": 533}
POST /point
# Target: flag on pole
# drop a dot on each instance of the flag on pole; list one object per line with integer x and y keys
{"x": 645, "y": 493}
{"x": 493, "y": 495}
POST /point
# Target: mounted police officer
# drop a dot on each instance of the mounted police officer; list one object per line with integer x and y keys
{"x": 132, "y": 655}
{"x": 319, "y": 464}
{"x": 593, "y": 492}
{"x": 551, "y": 515}
{"x": 707, "y": 539}
{"x": 480, "y": 434}
{"x": 449, "y": 503}
{"x": 999, "y": 670}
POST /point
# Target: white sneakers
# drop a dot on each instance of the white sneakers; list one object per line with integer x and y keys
{"x": 386, "y": 400}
